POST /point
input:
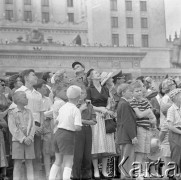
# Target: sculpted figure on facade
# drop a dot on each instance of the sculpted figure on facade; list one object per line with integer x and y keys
{"x": 176, "y": 54}
{"x": 35, "y": 36}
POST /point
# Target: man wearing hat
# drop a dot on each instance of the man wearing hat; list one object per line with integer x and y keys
{"x": 118, "y": 79}
{"x": 80, "y": 75}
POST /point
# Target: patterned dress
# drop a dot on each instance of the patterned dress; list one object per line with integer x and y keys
{"x": 103, "y": 144}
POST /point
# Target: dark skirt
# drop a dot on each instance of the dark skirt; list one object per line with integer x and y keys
{"x": 175, "y": 147}
{"x": 64, "y": 142}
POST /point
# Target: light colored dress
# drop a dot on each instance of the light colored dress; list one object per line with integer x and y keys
{"x": 102, "y": 144}
{"x": 3, "y": 160}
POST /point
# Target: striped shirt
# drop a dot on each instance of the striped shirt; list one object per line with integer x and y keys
{"x": 142, "y": 106}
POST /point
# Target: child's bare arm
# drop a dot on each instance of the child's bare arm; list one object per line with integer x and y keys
{"x": 172, "y": 128}
{"x": 78, "y": 128}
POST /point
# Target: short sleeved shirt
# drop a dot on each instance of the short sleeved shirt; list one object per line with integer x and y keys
{"x": 174, "y": 115}
{"x": 69, "y": 117}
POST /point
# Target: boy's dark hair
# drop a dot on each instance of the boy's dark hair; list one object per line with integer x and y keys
{"x": 46, "y": 76}
{"x": 39, "y": 84}
{"x": 141, "y": 78}
{"x": 25, "y": 73}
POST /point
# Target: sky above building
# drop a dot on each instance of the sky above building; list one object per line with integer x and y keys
{"x": 173, "y": 16}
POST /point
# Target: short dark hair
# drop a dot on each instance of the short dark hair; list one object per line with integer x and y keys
{"x": 39, "y": 84}
{"x": 46, "y": 76}
{"x": 25, "y": 73}
{"x": 141, "y": 78}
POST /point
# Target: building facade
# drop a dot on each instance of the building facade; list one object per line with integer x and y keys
{"x": 113, "y": 34}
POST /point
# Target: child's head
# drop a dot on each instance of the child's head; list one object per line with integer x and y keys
{"x": 126, "y": 91}
{"x": 73, "y": 94}
{"x": 137, "y": 89}
{"x": 175, "y": 96}
{"x": 28, "y": 76}
{"x": 60, "y": 89}
{"x": 20, "y": 98}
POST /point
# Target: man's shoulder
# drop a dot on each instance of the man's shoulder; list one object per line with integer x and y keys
{"x": 22, "y": 88}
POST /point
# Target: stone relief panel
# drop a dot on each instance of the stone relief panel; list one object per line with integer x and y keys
{"x": 104, "y": 64}
{"x": 126, "y": 65}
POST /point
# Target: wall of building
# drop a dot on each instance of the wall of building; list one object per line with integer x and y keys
{"x": 156, "y": 58}
{"x": 157, "y": 23}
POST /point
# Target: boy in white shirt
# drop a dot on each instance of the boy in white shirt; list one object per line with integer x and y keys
{"x": 69, "y": 121}
{"x": 174, "y": 125}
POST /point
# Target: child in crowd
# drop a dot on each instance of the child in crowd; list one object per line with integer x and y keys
{"x": 165, "y": 103}
{"x": 174, "y": 124}
{"x": 60, "y": 98}
{"x": 83, "y": 140}
{"x": 126, "y": 129}
{"x": 69, "y": 121}
{"x": 21, "y": 126}
{"x": 145, "y": 118}
{"x": 47, "y": 129}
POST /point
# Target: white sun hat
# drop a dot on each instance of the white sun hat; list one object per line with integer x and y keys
{"x": 105, "y": 76}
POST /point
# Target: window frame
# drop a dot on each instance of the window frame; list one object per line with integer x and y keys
{"x": 29, "y": 14}
{"x": 129, "y": 22}
{"x": 8, "y": 1}
{"x": 128, "y": 5}
{"x": 27, "y": 2}
{"x": 71, "y": 17}
{"x": 45, "y": 3}
{"x": 45, "y": 13}
{"x": 130, "y": 39}
{"x": 143, "y": 6}
{"x": 115, "y": 38}
{"x": 7, "y": 14}
{"x": 114, "y": 22}
{"x": 70, "y": 3}
{"x": 144, "y": 22}
{"x": 145, "y": 41}
{"x": 114, "y": 5}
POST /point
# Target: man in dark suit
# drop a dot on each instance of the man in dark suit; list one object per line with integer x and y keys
{"x": 126, "y": 130}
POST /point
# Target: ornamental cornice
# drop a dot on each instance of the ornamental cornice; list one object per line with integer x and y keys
{"x": 137, "y": 56}
{"x": 49, "y": 30}
{"x": 115, "y": 60}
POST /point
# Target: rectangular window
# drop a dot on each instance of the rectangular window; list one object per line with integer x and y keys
{"x": 143, "y": 6}
{"x": 128, "y": 5}
{"x": 145, "y": 42}
{"x": 130, "y": 39}
{"x": 114, "y": 22}
{"x": 129, "y": 22}
{"x": 114, "y": 5}
{"x": 45, "y": 2}
{"x": 144, "y": 23}
{"x": 9, "y": 15}
{"x": 27, "y": 2}
{"x": 8, "y": 1}
{"x": 28, "y": 16}
{"x": 71, "y": 17}
{"x": 45, "y": 17}
{"x": 70, "y": 3}
{"x": 115, "y": 39}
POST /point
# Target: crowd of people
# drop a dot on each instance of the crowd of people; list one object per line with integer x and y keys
{"x": 74, "y": 126}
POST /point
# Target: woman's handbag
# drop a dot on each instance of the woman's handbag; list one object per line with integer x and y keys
{"x": 110, "y": 125}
